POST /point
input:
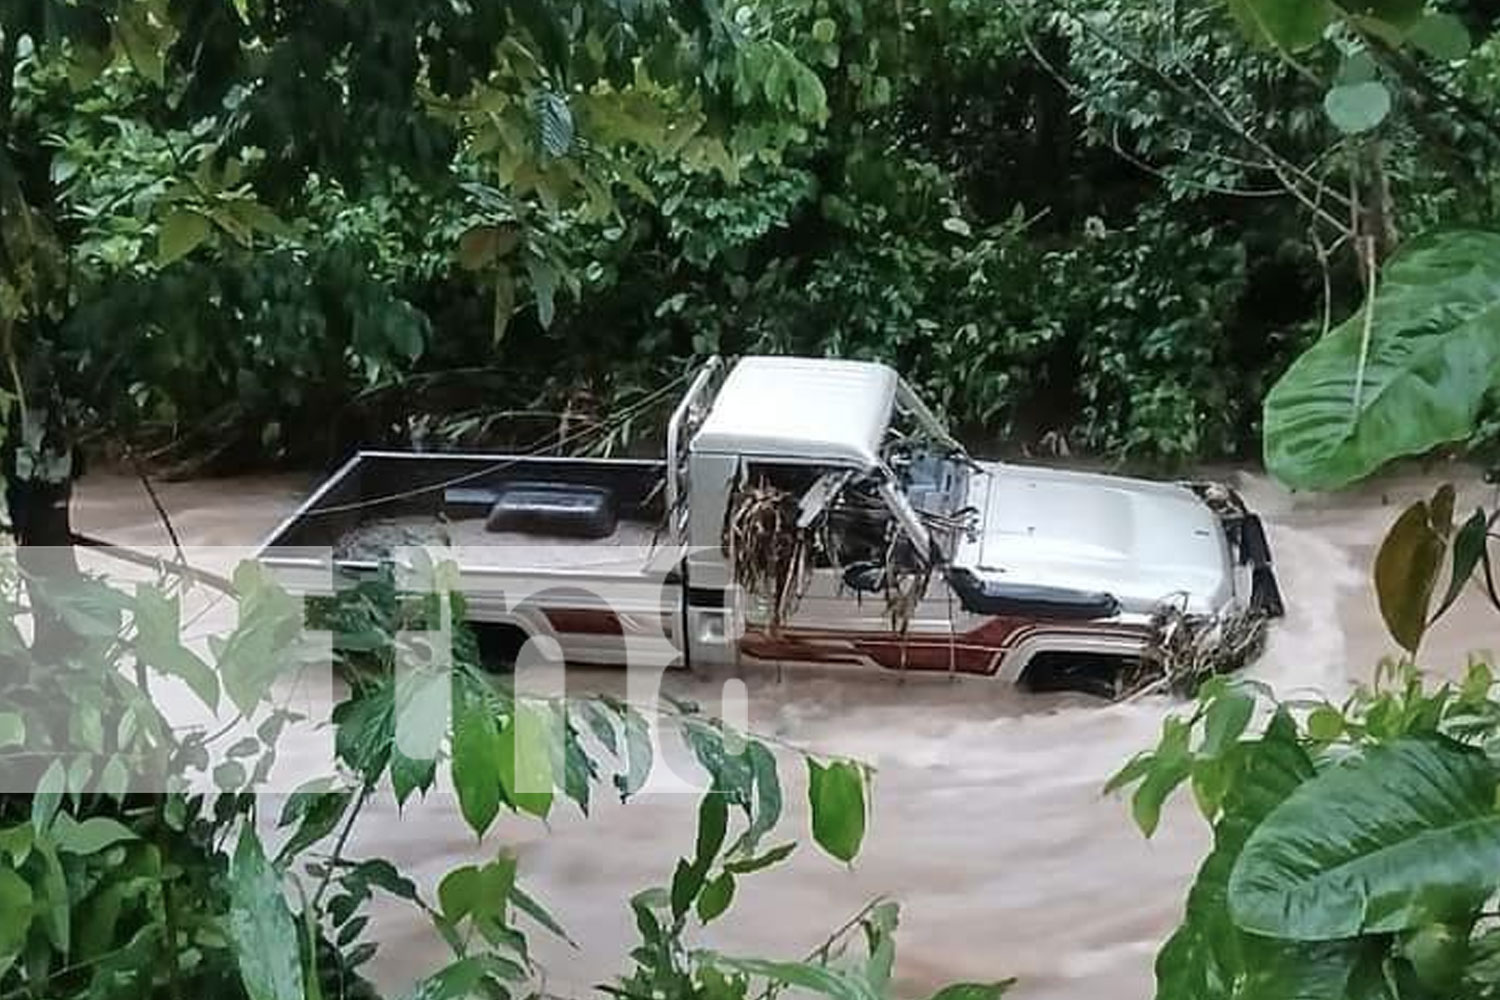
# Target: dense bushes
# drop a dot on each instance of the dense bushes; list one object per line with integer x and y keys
{"x": 1039, "y": 216}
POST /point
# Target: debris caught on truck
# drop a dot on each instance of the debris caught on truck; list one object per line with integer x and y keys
{"x": 768, "y": 549}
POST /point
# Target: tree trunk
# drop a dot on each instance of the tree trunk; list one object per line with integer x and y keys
{"x": 38, "y": 498}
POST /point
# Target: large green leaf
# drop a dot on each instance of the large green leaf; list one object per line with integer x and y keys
{"x": 476, "y": 759}
{"x": 837, "y": 796}
{"x": 1283, "y": 24}
{"x": 89, "y": 837}
{"x": 181, "y": 233}
{"x": 261, "y": 925}
{"x": 526, "y": 762}
{"x": 1433, "y": 354}
{"x": 1357, "y": 107}
{"x": 1403, "y": 836}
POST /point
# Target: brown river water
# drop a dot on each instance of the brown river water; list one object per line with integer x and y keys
{"x": 988, "y": 823}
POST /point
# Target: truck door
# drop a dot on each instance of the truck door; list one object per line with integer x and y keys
{"x": 846, "y": 613}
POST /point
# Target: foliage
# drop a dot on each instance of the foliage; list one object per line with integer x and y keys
{"x": 143, "y": 865}
{"x": 1410, "y": 373}
{"x": 1354, "y": 844}
{"x": 842, "y": 180}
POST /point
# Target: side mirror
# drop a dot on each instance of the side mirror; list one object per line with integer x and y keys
{"x": 865, "y": 577}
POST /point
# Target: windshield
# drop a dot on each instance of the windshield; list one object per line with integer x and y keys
{"x": 923, "y": 424}
{"x": 930, "y": 468}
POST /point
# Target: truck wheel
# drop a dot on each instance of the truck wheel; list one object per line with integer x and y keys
{"x": 1089, "y": 673}
{"x": 499, "y": 645}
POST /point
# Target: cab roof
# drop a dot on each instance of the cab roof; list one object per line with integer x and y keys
{"x": 801, "y": 409}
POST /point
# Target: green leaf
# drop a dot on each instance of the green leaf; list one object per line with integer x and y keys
{"x": 143, "y": 42}
{"x": 1406, "y": 572}
{"x": 716, "y": 897}
{"x": 1357, "y": 107}
{"x": 1403, "y": 836}
{"x": 526, "y": 761}
{"x": 15, "y": 916}
{"x": 53, "y": 903}
{"x": 15, "y": 843}
{"x": 1225, "y": 720}
{"x": 89, "y": 837}
{"x": 824, "y": 30}
{"x": 713, "y": 823}
{"x": 1468, "y": 549}
{"x": 1290, "y": 25}
{"x": 458, "y": 981}
{"x": 1439, "y": 954}
{"x": 482, "y": 246}
{"x": 180, "y": 234}
{"x": 480, "y": 893}
{"x": 543, "y": 278}
{"x": 409, "y": 776}
{"x": 1359, "y": 67}
{"x": 261, "y": 925}
{"x": 158, "y": 624}
{"x": 476, "y": 760}
{"x": 317, "y": 813}
{"x": 768, "y": 799}
{"x": 1160, "y": 782}
{"x": 639, "y": 755}
{"x": 687, "y": 882}
{"x": 837, "y": 796}
{"x": 458, "y": 892}
{"x": 1434, "y": 353}
{"x": 528, "y": 905}
{"x": 1169, "y": 766}
{"x": 253, "y": 216}
{"x": 382, "y": 874}
{"x": 1134, "y": 770}
{"x": 424, "y": 711}
{"x": 49, "y": 792}
{"x": 1325, "y": 724}
{"x": 1207, "y": 950}
{"x": 829, "y": 982}
{"x": 775, "y": 855}
{"x": 230, "y": 776}
{"x": 1440, "y": 35}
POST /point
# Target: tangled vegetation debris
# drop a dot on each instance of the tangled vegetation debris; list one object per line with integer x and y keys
{"x": 767, "y": 550}
{"x": 1187, "y": 649}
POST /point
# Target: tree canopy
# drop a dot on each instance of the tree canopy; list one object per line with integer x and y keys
{"x": 1104, "y": 226}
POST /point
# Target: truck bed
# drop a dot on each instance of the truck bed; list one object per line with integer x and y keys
{"x": 628, "y": 549}
{"x": 381, "y": 501}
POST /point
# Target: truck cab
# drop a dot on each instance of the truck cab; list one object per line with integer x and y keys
{"x": 1021, "y": 567}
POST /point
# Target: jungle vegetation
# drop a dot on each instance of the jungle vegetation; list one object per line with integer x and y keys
{"x": 234, "y": 231}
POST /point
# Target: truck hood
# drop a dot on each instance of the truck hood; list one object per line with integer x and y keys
{"x": 1142, "y": 542}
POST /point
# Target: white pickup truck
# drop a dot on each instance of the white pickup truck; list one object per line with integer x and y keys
{"x": 1052, "y": 577}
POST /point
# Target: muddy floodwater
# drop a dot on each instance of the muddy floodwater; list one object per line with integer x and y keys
{"x": 987, "y": 821}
